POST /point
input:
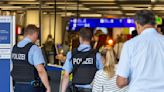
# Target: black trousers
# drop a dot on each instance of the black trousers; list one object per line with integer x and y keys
{"x": 28, "y": 88}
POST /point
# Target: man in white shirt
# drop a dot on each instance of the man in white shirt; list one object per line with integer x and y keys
{"x": 141, "y": 63}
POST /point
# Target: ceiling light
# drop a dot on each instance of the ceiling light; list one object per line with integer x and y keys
{"x": 90, "y": 15}
{"x": 111, "y": 12}
{"x": 28, "y": 7}
{"x": 130, "y": 14}
{"x": 73, "y": 8}
{"x": 110, "y": 7}
{"x": 135, "y": 5}
{"x": 98, "y": 3}
{"x": 153, "y": 1}
{"x": 158, "y": 8}
{"x": 134, "y": 8}
{"x": 69, "y": 3}
{"x": 97, "y": 0}
{"x": 23, "y": 2}
{"x": 10, "y": 6}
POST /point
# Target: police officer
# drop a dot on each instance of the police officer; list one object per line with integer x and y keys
{"x": 28, "y": 72}
{"x": 83, "y": 62}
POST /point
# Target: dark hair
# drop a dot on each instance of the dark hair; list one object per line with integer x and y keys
{"x": 86, "y": 34}
{"x": 30, "y": 29}
{"x": 134, "y": 33}
{"x": 144, "y": 17}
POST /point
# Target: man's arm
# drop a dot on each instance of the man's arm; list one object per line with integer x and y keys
{"x": 123, "y": 69}
{"x": 65, "y": 81}
{"x": 121, "y": 81}
{"x": 43, "y": 76}
{"x": 68, "y": 68}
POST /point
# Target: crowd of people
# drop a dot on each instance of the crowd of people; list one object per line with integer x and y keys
{"x": 134, "y": 66}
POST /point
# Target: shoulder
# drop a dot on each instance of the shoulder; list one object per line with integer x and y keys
{"x": 98, "y": 54}
{"x": 35, "y": 48}
{"x": 100, "y": 73}
{"x": 69, "y": 53}
{"x": 134, "y": 40}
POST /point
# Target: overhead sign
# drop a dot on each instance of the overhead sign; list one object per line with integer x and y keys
{"x": 76, "y": 24}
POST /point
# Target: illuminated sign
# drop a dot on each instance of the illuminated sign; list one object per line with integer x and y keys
{"x": 76, "y": 24}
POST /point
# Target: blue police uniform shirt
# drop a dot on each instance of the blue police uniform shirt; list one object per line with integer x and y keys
{"x": 35, "y": 56}
{"x": 142, "y": 62}
{"x": 68, "y": 64}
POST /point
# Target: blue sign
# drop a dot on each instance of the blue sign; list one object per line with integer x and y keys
{"x": 5, "y": 75}
{"x": 75, "y": 24}
{"x": 6, "y": 28}
{"x": 129, "y": 22}
{"x": 110, "y": 23}
{"x": 4, "y": 33}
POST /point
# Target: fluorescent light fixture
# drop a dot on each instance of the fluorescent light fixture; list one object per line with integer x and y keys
{"x": 130, "y": 14}
{"x": 111, "y": 12}
{"x": 63, "y": 14}
{"x": 158, "y": 8}
{"x": 10, "y": 6}
{"x": 80, "y": 5}
{"x": 153, "y": 1}
{"x": 38, "y": 7}
{"x": 98, "y": 3}
{"x": 133, "y": 8}
{"x": 96, "y": 0}
{"x": 23, "y": 2}
{"x": 110, "y": 7}
{"x": 73, "y": 8}
{"x": 69, "y": 3}
{"x": 90, "y": 15}
{"x": 68, "y": 14}
{"x": 135, "y": 5}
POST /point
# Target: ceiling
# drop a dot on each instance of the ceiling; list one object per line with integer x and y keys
{"x": 87, "y": 8}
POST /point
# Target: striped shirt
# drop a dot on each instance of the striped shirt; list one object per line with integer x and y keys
{"x": 102, "y": 83}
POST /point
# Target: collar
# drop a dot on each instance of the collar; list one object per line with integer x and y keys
{"x": 82, "y": 46}
{"x": 149, "y": 30}
{"x": 27, "y": 39}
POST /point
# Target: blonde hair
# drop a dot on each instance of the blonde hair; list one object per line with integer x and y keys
{"x": 109, "y": 62}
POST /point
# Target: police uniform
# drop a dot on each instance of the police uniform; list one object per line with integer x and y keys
{"x": 25, "y": 56}
{"x": 89, "y": 62}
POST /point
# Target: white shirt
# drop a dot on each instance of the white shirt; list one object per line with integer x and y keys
{"x": 142, "y": 62}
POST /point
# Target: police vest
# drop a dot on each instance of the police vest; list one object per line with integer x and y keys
{"x": 84, "y": 66}
{"x": 22, "y": 71}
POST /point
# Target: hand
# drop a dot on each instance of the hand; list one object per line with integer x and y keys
{"x": 48, "y": 90}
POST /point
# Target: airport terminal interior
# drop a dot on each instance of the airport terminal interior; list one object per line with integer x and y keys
{"x": 59, "y": 21}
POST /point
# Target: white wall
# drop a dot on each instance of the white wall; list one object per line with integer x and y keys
{"x": 32, "y": 17}
{"x": 48, "y": 25}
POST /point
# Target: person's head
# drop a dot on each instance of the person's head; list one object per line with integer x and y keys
{"x": 144, "y": 19}
{"x": 85, "y": 36}
{"x": 49, "y": 38}
{"x": 96, "y": 36}
{"x": 134, "y": 33}
{"x": 31, "y": 31}
{"x": 108, "y": 61}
